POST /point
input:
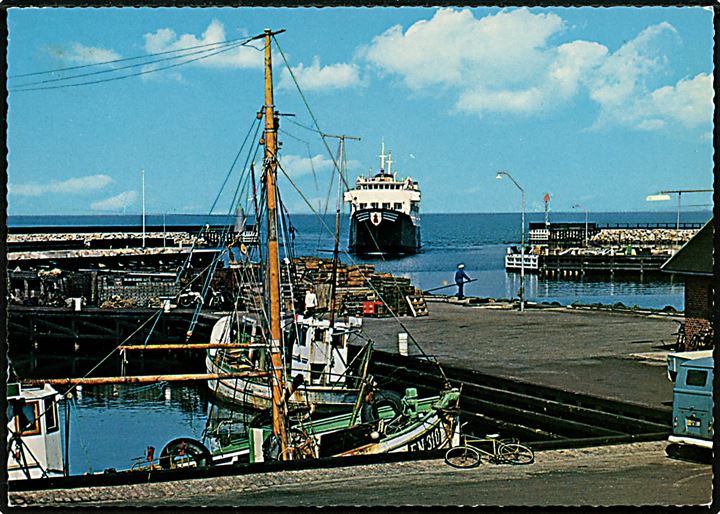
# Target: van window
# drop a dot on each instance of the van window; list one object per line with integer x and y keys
{"x": 696, "y": 377}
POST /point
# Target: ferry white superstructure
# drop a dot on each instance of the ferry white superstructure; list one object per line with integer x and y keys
{"x": 385, "y": 212}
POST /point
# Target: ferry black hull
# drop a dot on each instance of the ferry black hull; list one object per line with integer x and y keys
{"x": 395, "y": 234}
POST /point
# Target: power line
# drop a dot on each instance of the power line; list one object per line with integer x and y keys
{"x": 113, "y": 61}
{"x": 111, "y": 70}
{"x": 144, "y": 72}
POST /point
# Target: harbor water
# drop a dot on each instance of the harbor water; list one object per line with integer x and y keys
{"x": 112, "y": 425}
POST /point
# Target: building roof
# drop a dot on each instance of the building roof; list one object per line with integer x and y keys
{"x": 696, "y": 257}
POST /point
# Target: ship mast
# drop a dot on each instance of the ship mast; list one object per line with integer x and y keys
{"x": 271, "y": 123}
{"x": 382, "y": 158}
{"x": 336, "y": 248}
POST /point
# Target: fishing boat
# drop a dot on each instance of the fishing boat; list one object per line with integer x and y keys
{"x": 270, "y": 340}
{"x": 318, "y": 362}
{"x": 422, "y": 425}
{"x": 33, "y": 433}
{"x": 385, "y": 213}
{"x": 262, "y": 342}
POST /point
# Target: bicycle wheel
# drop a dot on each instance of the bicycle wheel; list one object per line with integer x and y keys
{"x": 514, "y": 453}
{"x": 462, "y": 457}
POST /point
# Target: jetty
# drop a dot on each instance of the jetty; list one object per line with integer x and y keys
{"x": 572, "y": 249}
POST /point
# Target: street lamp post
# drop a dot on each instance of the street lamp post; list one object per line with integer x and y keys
{"x": 665, "y": 195}
{"x": 522, "y": 237}
{"x": 578, "y": 206}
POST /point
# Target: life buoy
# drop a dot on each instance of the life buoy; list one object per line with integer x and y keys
{"x": 189, "y": 449}
{"x": 369, "y": 410}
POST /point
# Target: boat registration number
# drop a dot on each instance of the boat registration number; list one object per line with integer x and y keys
{"x": 430, "y": 440}
{"x": 693, "y": 422}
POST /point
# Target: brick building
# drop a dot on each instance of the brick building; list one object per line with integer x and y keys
{"x": 694, "y": 262}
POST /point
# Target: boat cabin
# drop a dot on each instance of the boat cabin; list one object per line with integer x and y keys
{"x": 34, "y": 443}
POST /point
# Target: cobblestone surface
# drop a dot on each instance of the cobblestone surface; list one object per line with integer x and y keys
{"x": 635, "y": 466}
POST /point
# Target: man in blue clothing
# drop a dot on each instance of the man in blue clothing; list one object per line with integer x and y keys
{"x": 460, "y": 279}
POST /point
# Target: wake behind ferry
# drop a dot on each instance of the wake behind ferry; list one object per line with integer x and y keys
{"x": 385, "y": 213}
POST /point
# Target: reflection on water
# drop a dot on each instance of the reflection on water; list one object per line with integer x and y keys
{"x": 655, "y": 293}
{"x": 112, "y": 424}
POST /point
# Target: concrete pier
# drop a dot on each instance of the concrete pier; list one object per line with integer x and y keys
{"x": 600, "y": 353}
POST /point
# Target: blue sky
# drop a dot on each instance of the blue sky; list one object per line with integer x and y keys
{"x": 598, "y": 107}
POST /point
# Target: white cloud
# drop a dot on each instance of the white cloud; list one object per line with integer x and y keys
{"x": 115, "y": 203}
{"x": 456, "y": 49}
{"x": 620, "y": 86}
{"x": 82, "y": 54}
{"x": 76, "y": 185}
{"x": 690, "y": 101}
{"x": 508, "y": 63}
{"x": 297, "y": 166}
{"x": 316, "y": 77}
{"x": 165, "y": 39}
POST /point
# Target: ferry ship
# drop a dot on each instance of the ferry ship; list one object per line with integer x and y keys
{"x": 385, "y": 213}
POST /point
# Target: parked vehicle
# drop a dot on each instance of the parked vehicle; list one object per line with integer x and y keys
{"x": 692, "y": 398}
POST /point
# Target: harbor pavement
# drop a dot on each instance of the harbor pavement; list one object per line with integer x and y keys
{"x": 629, "y": 474}
{"x": 601, "y": 353}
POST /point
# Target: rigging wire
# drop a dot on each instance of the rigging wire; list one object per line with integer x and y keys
{"x": 102, "y": 361}
{"x": 312, "y": 166}
{"x": 367, "y": 280}
{"x": 307, "y": 106}
{"x": 143, "y": 72}
{"x": 186, "y": 263}
{"x": 125, "y": 59}
{"x": 224, "y": 235}
{"x": 232, "y": 166}
{"x": 111, "y": 70}
{"x": 330, "y": 188}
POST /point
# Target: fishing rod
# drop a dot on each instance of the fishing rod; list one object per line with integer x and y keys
{"x": 449, "y": 285}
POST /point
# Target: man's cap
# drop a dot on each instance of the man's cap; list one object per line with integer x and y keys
{"x": 461, "y": 266}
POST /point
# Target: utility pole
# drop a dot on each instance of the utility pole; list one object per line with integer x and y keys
{"x": 142, "y": 180}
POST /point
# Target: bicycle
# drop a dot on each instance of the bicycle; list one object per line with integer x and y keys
{"x": 680, "y": 339}
{"x": 497, "y": 451}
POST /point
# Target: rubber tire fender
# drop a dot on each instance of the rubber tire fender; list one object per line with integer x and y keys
{"x": 369, "y": 412}
{"x": 198, "y": 450}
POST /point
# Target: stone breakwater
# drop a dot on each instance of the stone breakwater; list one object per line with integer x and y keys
{"x": 179, "y": 238}
{"x": 657, "y": 236}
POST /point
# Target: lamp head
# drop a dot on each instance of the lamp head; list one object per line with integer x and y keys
{"x": 498, "y": 176}
{"x": 657, "y": 198}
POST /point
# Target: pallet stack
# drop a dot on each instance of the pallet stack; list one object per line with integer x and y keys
{"x": 140, "y": 290}
{"x": 357, "y": 286}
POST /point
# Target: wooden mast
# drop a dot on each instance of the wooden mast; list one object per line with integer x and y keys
{"x": 278, "y": 408}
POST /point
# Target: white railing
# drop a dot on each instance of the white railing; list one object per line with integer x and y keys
{"x": 540, "y": 235}
{"x": 514, "y": 261}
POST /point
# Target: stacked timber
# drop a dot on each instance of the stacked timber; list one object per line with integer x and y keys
{"x": 360, "y": 290}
